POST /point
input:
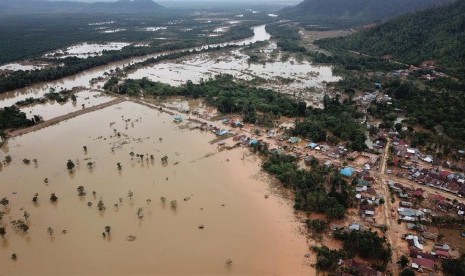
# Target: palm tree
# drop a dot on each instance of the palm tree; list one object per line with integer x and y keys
{"x": 130, "y": 194}
{"x": 163, "y": 200}
{"x": 174, "y": 204}
{"x": 85, "y": 149}
{"x": 120, "y": 167}
{"x": 2, "y": 232}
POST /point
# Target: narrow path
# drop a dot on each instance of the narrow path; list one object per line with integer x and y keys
{"x": 19, "y": 132}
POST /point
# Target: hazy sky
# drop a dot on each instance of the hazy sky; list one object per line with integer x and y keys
{"x": 289, "y": 2}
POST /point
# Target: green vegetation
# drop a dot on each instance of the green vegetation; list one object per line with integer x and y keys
{"x": 435, "y": 34}
{"x": 327, "y": 259}
{"x": 336, "y": 118}
{"x": 317, "y": 226}
{"x": 222, "y": 92}
{"x": 347, "y": 13}
{"x": 34, "y": 35}
{"x": 12, "y": 118}
{"x": 310, "y": 186}
{"x": 287, "y": 36}
{"x": 335, "y": 123}
{"x": 454, "y": 267}
{"x": 367, "y": 244}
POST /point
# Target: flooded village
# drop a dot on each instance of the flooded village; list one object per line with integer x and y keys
{"x": 112, "y": 183}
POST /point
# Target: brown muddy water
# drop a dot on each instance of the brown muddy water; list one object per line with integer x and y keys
{"x": 222, "y": 190}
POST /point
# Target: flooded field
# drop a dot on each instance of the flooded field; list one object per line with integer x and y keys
{"x": 22, "y": 66}
{"x": 83, "y": 79}
{"x": 54, "y": 109}
{"x": 85, "y": 50}
{"x": 203, "y": 66}
{"x": 191, "y": 215}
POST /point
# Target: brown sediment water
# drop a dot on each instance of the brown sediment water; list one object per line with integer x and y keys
{"x": 61, "y": 118}
{"x": 221, "y": 190}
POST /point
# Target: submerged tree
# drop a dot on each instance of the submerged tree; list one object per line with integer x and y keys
{"x": 139, "y": 213}
{"x": 100, "y": 205}
{"x": 53, "y": 197}
{"x": 4, "y": 201}
{"x": 107, "y": 230}
{"x": 164, "y": 160}
{"x": 36, "y": 196}
{"x": 50, "y": 231}
{"x": 81, "y": 191}
{"x": 70, "y": 165}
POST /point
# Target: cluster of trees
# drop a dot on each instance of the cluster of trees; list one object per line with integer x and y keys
{"x": 222, "y": 92}
{"x": 287, "y": 36}
{"x": 327, "y": 259}
{"x": 337, "y": 118}
{"x": 12, "y": 117}
{"x": 454, "y": 267}
{"x": 436, "y": 110}
{"x": 310, "y": 186}
{"x": 436, "y": 34}
{"x": 366, "y": 244}
{"x": 351, "y": 61}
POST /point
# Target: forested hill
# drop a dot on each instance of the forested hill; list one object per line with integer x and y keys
{"x": 347, "y": 13}
{"x": 435, "y": 34}
{"x": 44, "y": 6}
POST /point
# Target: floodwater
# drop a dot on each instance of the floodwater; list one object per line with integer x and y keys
{"x": 83, "y": 78}
{"x": 20, "y": 66}
{"x": 221, "y": 190}
{"x": 53, "y": 109}
{"x": 300, "y": 75}
{"x": 85, "y": 50}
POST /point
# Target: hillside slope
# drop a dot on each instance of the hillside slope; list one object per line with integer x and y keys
{"x": 434, "y": 34}
{"x": 346, "y": 13}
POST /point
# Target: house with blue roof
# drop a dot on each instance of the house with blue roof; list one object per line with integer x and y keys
{"x": 347, "y": 171}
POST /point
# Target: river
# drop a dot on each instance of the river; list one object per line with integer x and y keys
{"x": 83, "y": 78}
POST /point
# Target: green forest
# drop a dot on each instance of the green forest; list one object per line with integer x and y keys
{"x": 348, "y": 13}
{"x": 435, "y": 34}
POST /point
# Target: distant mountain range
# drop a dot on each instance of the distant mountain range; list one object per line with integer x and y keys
{"x": 434, "y": 34}
{"x": 347, "y": 13}
{"x": 43, "y": 6}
